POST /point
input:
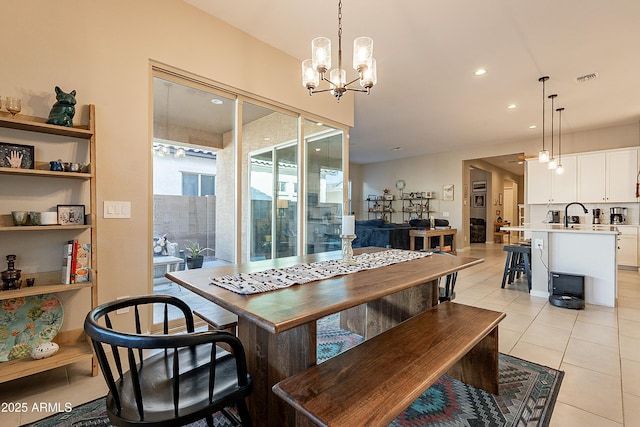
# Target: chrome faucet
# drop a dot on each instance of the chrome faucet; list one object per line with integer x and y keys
{"x": 566, "y": 208}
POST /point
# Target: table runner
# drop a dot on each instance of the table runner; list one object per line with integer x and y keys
{"x": 278, "y": 278}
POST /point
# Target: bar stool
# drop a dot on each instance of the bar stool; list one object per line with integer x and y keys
{"x": 518, "y": 261}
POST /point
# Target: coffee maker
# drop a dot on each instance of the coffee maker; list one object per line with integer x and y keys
{"x": 618, "y": 215}
{"x": 553, "y": 217}
{"x": 596, "y": 216}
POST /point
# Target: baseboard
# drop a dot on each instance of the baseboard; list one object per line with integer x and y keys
{"x": 541, "y": 294}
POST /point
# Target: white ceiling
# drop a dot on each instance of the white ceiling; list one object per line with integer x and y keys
{"x": 428, "y": 99}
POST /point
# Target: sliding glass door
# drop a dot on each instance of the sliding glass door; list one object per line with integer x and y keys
{"x": 274, "y": 177}
{"x": 324, "y": 187}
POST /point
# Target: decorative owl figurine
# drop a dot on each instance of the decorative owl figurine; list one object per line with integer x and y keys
{"x": 64, "y": 109}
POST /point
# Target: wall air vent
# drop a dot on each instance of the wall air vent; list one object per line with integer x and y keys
{"x": 587, "y": 77}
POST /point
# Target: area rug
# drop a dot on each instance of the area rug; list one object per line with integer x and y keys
{"x": 528, "y": 393}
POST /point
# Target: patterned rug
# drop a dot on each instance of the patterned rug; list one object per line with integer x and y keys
{"x": 528, "y": 393}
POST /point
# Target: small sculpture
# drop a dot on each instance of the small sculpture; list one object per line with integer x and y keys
{"x": 64, "y": 109}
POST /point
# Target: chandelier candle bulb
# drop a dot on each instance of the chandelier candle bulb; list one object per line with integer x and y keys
{"x": 348, "y": 225}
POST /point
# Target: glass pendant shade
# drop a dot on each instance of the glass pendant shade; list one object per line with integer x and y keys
{"x": 337, "y": 79}
{"x": 310, "y": 77}
{"x": 362, "y": 53}
{"x": 552, "y": 164}
{"x": 559, "y": 169}
{"x": 370, "y": 75}
{"x": 321, "y": 54}
{"x": 543, "y": 156}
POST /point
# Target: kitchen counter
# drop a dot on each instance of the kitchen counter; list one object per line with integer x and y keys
{"x": 584, "y": 249}
{"x": 573, "y": 228}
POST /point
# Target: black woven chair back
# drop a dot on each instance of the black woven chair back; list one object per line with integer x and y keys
{"x": 167, "y": 379}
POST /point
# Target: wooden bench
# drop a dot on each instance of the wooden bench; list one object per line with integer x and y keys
{"x": 373, "y": 382}
{"x": 218, "y": 318}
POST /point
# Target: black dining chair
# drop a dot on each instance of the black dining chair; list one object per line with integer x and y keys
{"x": 167, "y": 379}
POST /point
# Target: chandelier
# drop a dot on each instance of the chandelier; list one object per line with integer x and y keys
{"x": 315, "y": 69}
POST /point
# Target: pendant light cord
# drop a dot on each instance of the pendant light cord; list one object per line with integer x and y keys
{"x": 543, "y": 80}
{"x": 340, "y": 37}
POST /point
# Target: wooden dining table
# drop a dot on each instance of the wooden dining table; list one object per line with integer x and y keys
{"x": 278, "y": 328}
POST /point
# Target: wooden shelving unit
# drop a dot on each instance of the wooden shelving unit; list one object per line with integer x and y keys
{"x": 73, "y": 344}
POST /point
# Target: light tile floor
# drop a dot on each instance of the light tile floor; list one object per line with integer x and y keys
{"x": 598, "y": 349}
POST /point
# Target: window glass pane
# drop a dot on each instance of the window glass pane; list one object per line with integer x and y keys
{"x": 325, "y": 183}
{"x": 270, "y": 137}
{"x": 287, "y": 201}
{"x": 189, "y": 184}
{"x": 207, "y": 185}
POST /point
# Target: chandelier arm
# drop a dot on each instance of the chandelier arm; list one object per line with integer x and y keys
{"x": 358, "y": 90}
{"x": 352, "y": 81}
{"x": 329, "y": 81}
{"x": 321, "y": 90}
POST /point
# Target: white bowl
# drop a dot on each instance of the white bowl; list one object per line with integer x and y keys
{"x": 48, "y": 218}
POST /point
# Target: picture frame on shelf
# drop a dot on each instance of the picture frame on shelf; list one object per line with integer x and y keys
{"x": 479, "y": 186}
{"x": 16, "y": 156}
{"x": 479, "y": 200}
{"x": 71, "y": 215}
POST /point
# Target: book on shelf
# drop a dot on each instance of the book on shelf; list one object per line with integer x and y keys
{"x": 82, "y": 261}
{"x": 75, "y": 262}
{"x": 67, "y": 257}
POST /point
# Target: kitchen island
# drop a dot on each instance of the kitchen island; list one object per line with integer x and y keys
{"x": 588, "y": 250}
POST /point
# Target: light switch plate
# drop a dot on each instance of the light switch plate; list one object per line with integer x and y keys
{"x": 114, "y": 209}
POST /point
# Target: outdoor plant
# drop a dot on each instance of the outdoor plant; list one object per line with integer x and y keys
{"x": 195, "y": 250}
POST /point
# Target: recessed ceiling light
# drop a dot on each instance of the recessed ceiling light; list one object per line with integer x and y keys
{"x": 267, "y": 138}
{"x": 480, "y": 72}
{"x": 511, "y": 106}
{"x": 395, "y": 148}
{"x": 318, "y": 149}
{"x": 319, "y": 124}
{"x": 216, "y": 101}
{"x": 533, "y": 127}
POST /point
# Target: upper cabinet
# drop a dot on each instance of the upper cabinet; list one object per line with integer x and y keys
{"x": 546, "y": 186}
{"x": 596, "y": 177}
{"x": 608, "y": 177}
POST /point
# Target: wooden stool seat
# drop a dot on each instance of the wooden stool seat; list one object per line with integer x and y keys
{"x": 518, "y": 261}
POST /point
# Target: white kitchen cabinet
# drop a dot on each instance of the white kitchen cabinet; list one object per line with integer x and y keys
{"x": 628, "y": 246}
{"x": 607, "y": 176}
{"x": 622, "y": 172}
{"x": 546, "y": 186}
{"x": 538, "y": 182}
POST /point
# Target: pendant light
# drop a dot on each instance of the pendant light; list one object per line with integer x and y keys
{"x": 560, "y": 168}
{"x": 552, "y": 161}
{"x": 543, "y": 155}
